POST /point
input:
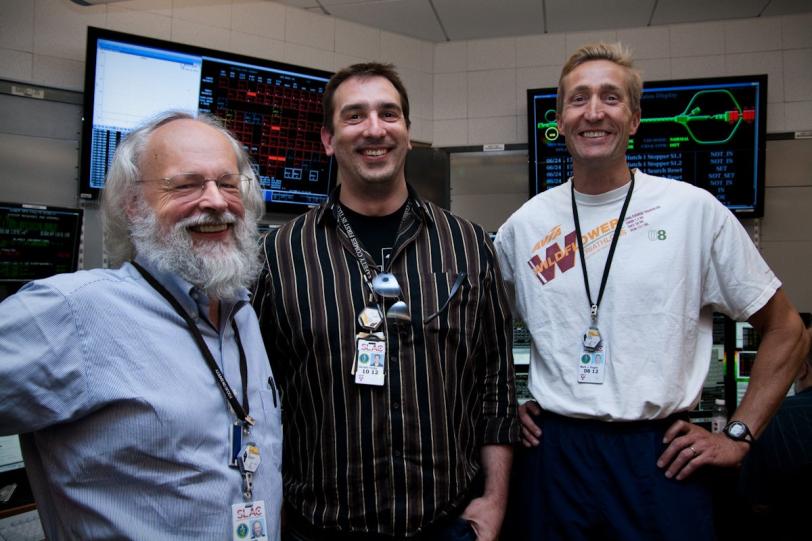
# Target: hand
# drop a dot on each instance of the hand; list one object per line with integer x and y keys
{"x": 485, "y": 514}
{"x": 690, "y": 447}
{"x": 531, "y": 432}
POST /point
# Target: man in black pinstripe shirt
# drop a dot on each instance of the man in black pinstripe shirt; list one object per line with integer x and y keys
{"x": 420, "y": 447}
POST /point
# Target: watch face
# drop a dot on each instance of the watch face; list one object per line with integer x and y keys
{"x": 736, "y": 430}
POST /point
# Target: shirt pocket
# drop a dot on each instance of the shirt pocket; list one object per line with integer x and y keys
{"x": 450, "y": 302}
{"x": 272, "y": 408}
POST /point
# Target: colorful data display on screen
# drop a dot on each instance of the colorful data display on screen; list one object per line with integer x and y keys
{"x": 273, "y": 109}
{"x": 37, "y": 242}
{"x": 709, "y": 132}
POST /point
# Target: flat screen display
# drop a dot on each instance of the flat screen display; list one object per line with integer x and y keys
{"x": 709, "y": 132}
{"x": 38, "y": 241}
{"x": 273, "y": 109}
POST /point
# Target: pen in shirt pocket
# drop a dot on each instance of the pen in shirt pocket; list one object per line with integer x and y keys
{"x": 272, "y": 388}
{"x": 454, "y": 289}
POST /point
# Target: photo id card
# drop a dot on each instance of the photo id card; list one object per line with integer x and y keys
{"x": 592, "y": 363}
{"x": 248, "y": 521}
{"x": 370, "y": 359}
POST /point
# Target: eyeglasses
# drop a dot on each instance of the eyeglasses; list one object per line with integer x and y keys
{"x": 387, "y": 286}
{"x": 191, "y": 185}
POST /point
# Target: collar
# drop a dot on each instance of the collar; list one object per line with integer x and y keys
{"x": 193, "y": 299}
{"x": 420, "y": 209}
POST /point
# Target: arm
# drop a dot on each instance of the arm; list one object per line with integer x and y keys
{"x": 487, "y": 512}
{"x": 783, "y": 346}
{"x": 42, "y": 361}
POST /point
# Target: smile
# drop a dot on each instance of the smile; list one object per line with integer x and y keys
{"x": 594, "y": 133}
{"x": 210, "y": 228}
{"x": 374, "y": 152}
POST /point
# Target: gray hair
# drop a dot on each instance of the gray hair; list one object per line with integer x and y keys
{"x": 120, "y": 191}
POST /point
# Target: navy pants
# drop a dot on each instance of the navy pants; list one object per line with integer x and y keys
{"x": 592, "y": 480}
{"x": 449, "y": 529}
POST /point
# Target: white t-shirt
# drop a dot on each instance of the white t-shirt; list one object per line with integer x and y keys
{"x": 681, "y": 256}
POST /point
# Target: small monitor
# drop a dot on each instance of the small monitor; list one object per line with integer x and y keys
{"x": 273, "y": 109}
{"x": 709, "y": 132}
{"x": 38, "y": 241}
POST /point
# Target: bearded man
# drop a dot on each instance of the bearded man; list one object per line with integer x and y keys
{"x": 144, "y": 398}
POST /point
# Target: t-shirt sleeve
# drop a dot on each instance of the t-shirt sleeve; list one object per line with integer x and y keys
{"x": 42, "y": 366}
{"x": 738, "y": 282}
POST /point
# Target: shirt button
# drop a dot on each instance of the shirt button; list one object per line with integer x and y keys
{"x": 395, "y": 405}
{"x": 397, "y": 454}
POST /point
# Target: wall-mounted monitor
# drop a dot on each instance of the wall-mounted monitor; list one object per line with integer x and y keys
{"x": 709, "y": 132}
{"x": 274, "y": 109}
{"x": 37, "y": 241}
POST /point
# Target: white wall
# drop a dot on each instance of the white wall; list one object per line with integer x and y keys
{"x": 480, "y": 85}
{"x": 465, "y": 92}
{"x": 43, "y": 41}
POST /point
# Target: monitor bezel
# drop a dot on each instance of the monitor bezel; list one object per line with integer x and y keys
{"x": 78, "y": 212}
{"x": 94, "y": 34}
{"x": 761, "y": 134}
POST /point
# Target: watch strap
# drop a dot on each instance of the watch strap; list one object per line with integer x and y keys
{"x": 747, "y": 437}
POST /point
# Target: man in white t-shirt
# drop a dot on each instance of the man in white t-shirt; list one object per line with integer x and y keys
{"x": 617, "y": 274}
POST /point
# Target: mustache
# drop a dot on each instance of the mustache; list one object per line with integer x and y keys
{"x": 226, "y": 218}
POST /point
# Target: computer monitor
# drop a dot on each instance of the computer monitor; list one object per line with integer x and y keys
{"x": 710, "y": 132}
{"x": 37, "y": 241}
{"x": 273, "y": 109}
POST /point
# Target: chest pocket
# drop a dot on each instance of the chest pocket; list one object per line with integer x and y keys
{"x": 450, "y": 302}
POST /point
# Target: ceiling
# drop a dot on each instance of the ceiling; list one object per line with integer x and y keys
{"x": 456, "y": 20}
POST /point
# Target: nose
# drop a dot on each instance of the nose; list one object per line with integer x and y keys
{"x": 375, "y": 126}
{"x": 211, "y": 199}
{"x": 594, "y": 109}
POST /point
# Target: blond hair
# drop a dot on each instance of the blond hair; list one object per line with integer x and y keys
{"x": 613, "y": 52}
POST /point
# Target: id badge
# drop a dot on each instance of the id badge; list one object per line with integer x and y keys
{"x": 592, "y": 364}
{"x": 248, "y": 521}
{"x": 236, "y": 444}
{"x": 370, "y": 360}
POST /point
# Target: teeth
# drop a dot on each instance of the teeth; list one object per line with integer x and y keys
{"x": 213, "y": 228}
{"x": 594, "y": 133}
{"x": 375, "y": 152}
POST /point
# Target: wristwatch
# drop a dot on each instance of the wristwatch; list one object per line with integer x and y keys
{"x": 738, "y": 431}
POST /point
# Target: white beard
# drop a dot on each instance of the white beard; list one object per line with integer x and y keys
{"x": 220, "y": 269}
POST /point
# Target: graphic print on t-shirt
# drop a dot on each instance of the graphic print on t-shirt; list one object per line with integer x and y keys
{"x": 594, "y": 240}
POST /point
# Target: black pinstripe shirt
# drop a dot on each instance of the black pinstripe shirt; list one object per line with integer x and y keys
{"x": 391, "y": 459}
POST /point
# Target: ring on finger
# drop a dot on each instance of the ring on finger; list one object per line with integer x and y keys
{"x": 694, "y": 451}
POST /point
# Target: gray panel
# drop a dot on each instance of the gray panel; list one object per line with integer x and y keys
{"x": 792, "y": 263}
{"x": 786, "y": 212}
{"x": 39, "y": 170}
{"x": 487, "y": 187}
{"x": 789, "y": 163}
{"x": 40, "y": 118}
{"x": 427, "y": 171}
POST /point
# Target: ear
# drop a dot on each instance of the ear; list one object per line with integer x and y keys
{"x": 635, "y": 123}
{"x": 131, "y": 207}
{"x": 327, "y": 141}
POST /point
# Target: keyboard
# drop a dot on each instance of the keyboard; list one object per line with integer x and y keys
{"x": 23, "y": 527}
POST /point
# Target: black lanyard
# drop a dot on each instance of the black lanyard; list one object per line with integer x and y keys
{"x": 356, "y": 245}
{"x": 240, "y": 410}
{"x": 593, "y": 307}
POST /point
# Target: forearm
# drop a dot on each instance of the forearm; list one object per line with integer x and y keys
{"x": 783, "y": 346}
{"x": 775, "y": 367}
{"x": 496, "y": 463}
